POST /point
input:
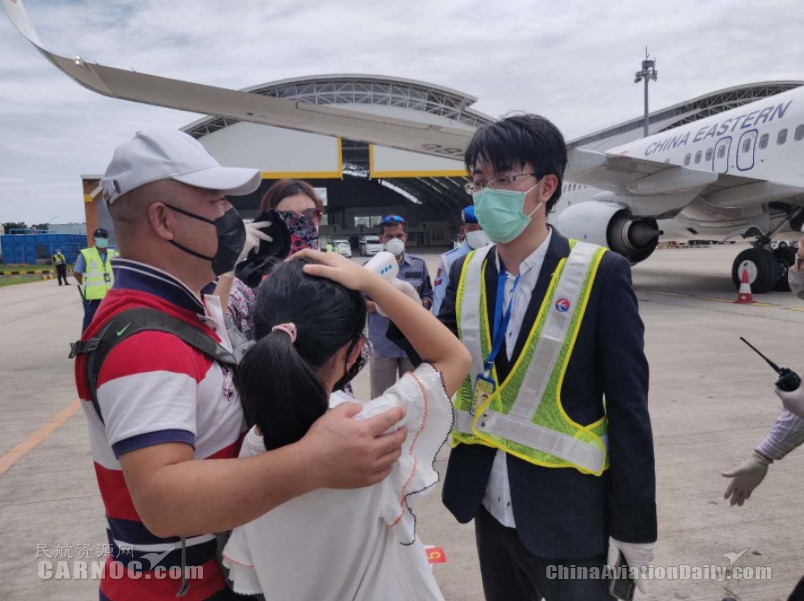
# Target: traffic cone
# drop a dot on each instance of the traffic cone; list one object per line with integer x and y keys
{"x": 744, "y": 295}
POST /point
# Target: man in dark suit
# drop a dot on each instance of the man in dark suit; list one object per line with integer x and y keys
{"x": 531, "y": 519}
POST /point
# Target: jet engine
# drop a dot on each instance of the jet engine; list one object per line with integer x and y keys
{"x": 611, "y": 225}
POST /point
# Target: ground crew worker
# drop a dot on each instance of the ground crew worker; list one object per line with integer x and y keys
{"x": 473, "y": 237}
{"x": 93, "y": 272}
{"x": 550, "y": 474}
{"x": 786, "y": 434}
{"x": 388, "y": 360}
{"x": 61, "y": 267}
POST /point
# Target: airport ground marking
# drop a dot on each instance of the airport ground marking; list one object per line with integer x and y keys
{"x": 21, "y": 449}
{"x": 717, "y": 299}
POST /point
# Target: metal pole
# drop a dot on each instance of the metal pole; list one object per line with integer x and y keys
{"x": 645, "y": 126}
{"x": 647, "y": 73}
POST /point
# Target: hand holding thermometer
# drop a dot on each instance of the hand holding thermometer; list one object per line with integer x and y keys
{"x": 384, "y": 264}
{"x": 788, "y": 379}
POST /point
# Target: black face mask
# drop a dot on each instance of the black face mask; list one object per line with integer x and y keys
{"x": 351, "y": 372}
{"x": 231, "y": 239}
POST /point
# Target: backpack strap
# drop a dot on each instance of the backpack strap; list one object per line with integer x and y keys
{"x": 133, "y": 321}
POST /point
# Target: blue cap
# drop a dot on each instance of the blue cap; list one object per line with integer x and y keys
{"x": 468, "y": 214}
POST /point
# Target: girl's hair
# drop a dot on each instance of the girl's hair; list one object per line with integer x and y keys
{"x": 279, "y": 386}
{"x": 283, "y": 188}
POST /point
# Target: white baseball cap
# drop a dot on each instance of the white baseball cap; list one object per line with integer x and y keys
{"x": 170, "y": 154}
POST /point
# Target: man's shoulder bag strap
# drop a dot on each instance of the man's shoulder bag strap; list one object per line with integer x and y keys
{"x": 133, "y": 321}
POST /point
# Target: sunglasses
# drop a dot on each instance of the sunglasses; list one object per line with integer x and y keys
{"x": 312, "y": 214}
{"x": 392, "y": 218}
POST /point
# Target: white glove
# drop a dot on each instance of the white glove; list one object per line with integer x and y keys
{"x": 637, "y": 555}
{"x": 792, "y": 401}
{"x": 746, "y": 477}
{"x": 253, "y": 237}
{"x": 404, "y": 287}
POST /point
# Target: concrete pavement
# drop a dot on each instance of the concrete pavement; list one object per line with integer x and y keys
{"x": 711, "y": 403}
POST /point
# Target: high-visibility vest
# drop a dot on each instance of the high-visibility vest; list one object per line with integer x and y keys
{"x": 58, "y": 259}
{"x": 525, "y": 416}
{"x": 98, "y": 276}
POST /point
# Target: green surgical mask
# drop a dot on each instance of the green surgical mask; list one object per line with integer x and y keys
{"x": 500, "y": 213}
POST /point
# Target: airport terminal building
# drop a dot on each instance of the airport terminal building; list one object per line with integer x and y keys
{"x": 362, "y": 182}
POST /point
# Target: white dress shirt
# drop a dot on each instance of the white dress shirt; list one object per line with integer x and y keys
{"x": 497, "y": 499}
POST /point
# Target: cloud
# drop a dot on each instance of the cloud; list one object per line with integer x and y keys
{"x": 573, "y": 62}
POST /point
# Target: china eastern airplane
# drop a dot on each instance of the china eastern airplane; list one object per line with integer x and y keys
{"x": 737, "y": 173}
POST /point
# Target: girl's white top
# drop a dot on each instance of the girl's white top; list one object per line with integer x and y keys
{"x": 337, "y": 545}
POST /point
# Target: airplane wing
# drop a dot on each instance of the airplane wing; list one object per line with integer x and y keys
{"x": 635, "y": 177}
{"x": 245, "y": 106}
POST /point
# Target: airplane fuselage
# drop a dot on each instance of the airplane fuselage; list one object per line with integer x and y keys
{"x": 762, "y": 140}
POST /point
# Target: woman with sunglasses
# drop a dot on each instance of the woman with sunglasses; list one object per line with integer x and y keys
{"x": 332, "y": 545}
{"x": 294, "y": 196}
{"x": 301, "y": 209}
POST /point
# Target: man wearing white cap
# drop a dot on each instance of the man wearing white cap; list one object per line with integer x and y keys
{"x": 166, "y": 421}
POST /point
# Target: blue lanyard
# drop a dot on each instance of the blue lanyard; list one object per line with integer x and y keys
{"x": 500, "y": 321}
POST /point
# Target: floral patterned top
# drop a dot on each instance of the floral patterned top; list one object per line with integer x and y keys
{"x": 242, "y": 301}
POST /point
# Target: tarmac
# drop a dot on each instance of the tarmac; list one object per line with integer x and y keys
{"x": 711, "y": 403}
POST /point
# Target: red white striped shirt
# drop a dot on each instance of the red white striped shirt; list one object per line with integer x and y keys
{"x": 155, "y": 389}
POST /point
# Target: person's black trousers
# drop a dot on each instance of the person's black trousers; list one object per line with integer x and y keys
{"x": 512, "y": 573}
{"x": 61, "y": 272}
{"x": 798, "y": 592}
{"x": 90, "y": 306}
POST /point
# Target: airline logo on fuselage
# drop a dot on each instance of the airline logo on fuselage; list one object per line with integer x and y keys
{"x": 746, "y": 120}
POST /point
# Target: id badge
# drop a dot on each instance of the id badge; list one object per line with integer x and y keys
{"x": 484, "y": 388}
{"x": 107, "y": 277}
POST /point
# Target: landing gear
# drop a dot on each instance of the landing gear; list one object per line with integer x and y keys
{"x": 767, "y": 269}
{"x": 786, "y": 257}
{"x": 762, "y": 268}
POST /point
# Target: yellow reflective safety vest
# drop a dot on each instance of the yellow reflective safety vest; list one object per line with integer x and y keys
{"x": 58, "y": 259}
{"x": 524, "y": 415}
{"x": 98, "y": 276}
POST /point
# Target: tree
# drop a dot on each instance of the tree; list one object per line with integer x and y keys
{"x": 41, "y": 226}
{"x": 14, "y": 225}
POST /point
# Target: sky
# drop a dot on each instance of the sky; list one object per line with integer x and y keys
{"x": 572, "y": 61}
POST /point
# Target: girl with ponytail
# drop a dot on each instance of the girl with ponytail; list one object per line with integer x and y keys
{"x": 336, "y": 545}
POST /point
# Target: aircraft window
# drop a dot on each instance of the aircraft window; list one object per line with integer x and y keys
{"x": 747, "y": 145}
{"x": 709, "y": 153}
{"x": 763, "y": 140}
{"x": 721, "y": 152}
{"x": 782, "y": 137}
{"x": 687, "y": 159}
{"x": 697, "y": 157}
{"x": 799, "y": 133}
